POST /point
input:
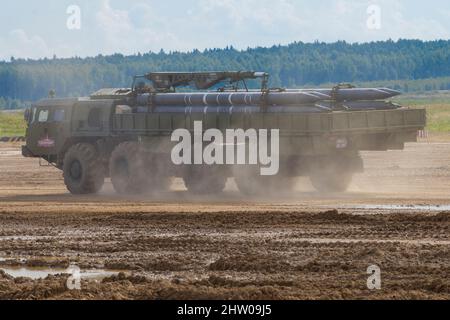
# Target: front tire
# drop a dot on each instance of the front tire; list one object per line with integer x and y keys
{"x": 82, "y": 170}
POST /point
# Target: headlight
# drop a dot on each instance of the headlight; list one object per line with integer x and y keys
{"x": 341, "y": 143}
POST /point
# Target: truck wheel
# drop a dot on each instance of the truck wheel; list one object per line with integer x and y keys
{"x": 330, "y": 177}
{"x": 83, "y": 172}
{"x": 158, "y": 177}
{"x": 204, "y": 180}
{"x": 127, "y": 169}
{"x": 247, "y": 179}
{"x": 250, "y": 182}
{"x": 279, "y": 185}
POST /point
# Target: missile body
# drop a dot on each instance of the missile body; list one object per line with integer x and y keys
{"x": 352, "y": 94}
{"x": 258, "y": 98}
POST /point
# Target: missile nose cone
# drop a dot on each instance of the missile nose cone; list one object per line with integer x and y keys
{"x": 392, "y": 92}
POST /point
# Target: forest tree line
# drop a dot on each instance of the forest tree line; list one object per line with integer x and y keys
{"x": 408, "y": 65}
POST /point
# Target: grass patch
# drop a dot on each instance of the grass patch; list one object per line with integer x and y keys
{"x": 438, "y": 110}
{"x": 438, "y": 118}
{"x": 12, "y": 124}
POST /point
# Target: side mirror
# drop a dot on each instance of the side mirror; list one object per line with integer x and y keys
{"x": 27, "y": 115}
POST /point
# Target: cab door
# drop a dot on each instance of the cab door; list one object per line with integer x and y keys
{"x": 47, "y": 130}
{"x": 92, "y": 118}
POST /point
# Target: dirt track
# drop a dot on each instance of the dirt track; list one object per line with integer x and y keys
{"x": 299, "y": 246}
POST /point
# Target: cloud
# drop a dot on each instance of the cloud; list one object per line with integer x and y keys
{"x": 246, "y": 23}
{"x": 19, "y": 44}
{"x": 399, "y": 21}
{"x": 265, "y": 14}
{"x": 144, "y": 26}
{"x": 111, "y": 26}
{"x": 133, "y": 30}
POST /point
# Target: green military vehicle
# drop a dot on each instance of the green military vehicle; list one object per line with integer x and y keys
{"x": 127, "y": 134}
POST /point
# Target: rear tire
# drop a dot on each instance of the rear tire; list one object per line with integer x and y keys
{"x": 82, "y": 170}
{"x": 127, "y": 169}
{"x": 331, "y": 175}
{"x": 246, "y": 178}
{"x": 204, "y": 180}
{"x": 250, "y": 182}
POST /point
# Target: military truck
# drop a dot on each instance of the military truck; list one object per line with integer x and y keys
{"x": 125, "y": 134}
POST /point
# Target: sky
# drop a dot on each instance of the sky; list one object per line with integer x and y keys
{"x": 67, "y": 28}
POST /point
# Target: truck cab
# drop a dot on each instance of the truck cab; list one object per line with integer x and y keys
{"x": 53, "y": 125}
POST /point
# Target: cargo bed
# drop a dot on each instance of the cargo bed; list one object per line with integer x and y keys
{"x": 357, "y": 122}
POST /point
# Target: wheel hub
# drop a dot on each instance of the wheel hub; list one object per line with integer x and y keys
{"x": 76, "y": 170}
{"x": 121, "y": 168}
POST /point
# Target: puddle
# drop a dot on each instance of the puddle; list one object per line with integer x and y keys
{"x": 426, "y": 208}
{"x": 37, "y": 273}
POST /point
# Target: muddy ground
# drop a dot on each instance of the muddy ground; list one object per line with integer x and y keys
{"x": 176, "y": 246}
